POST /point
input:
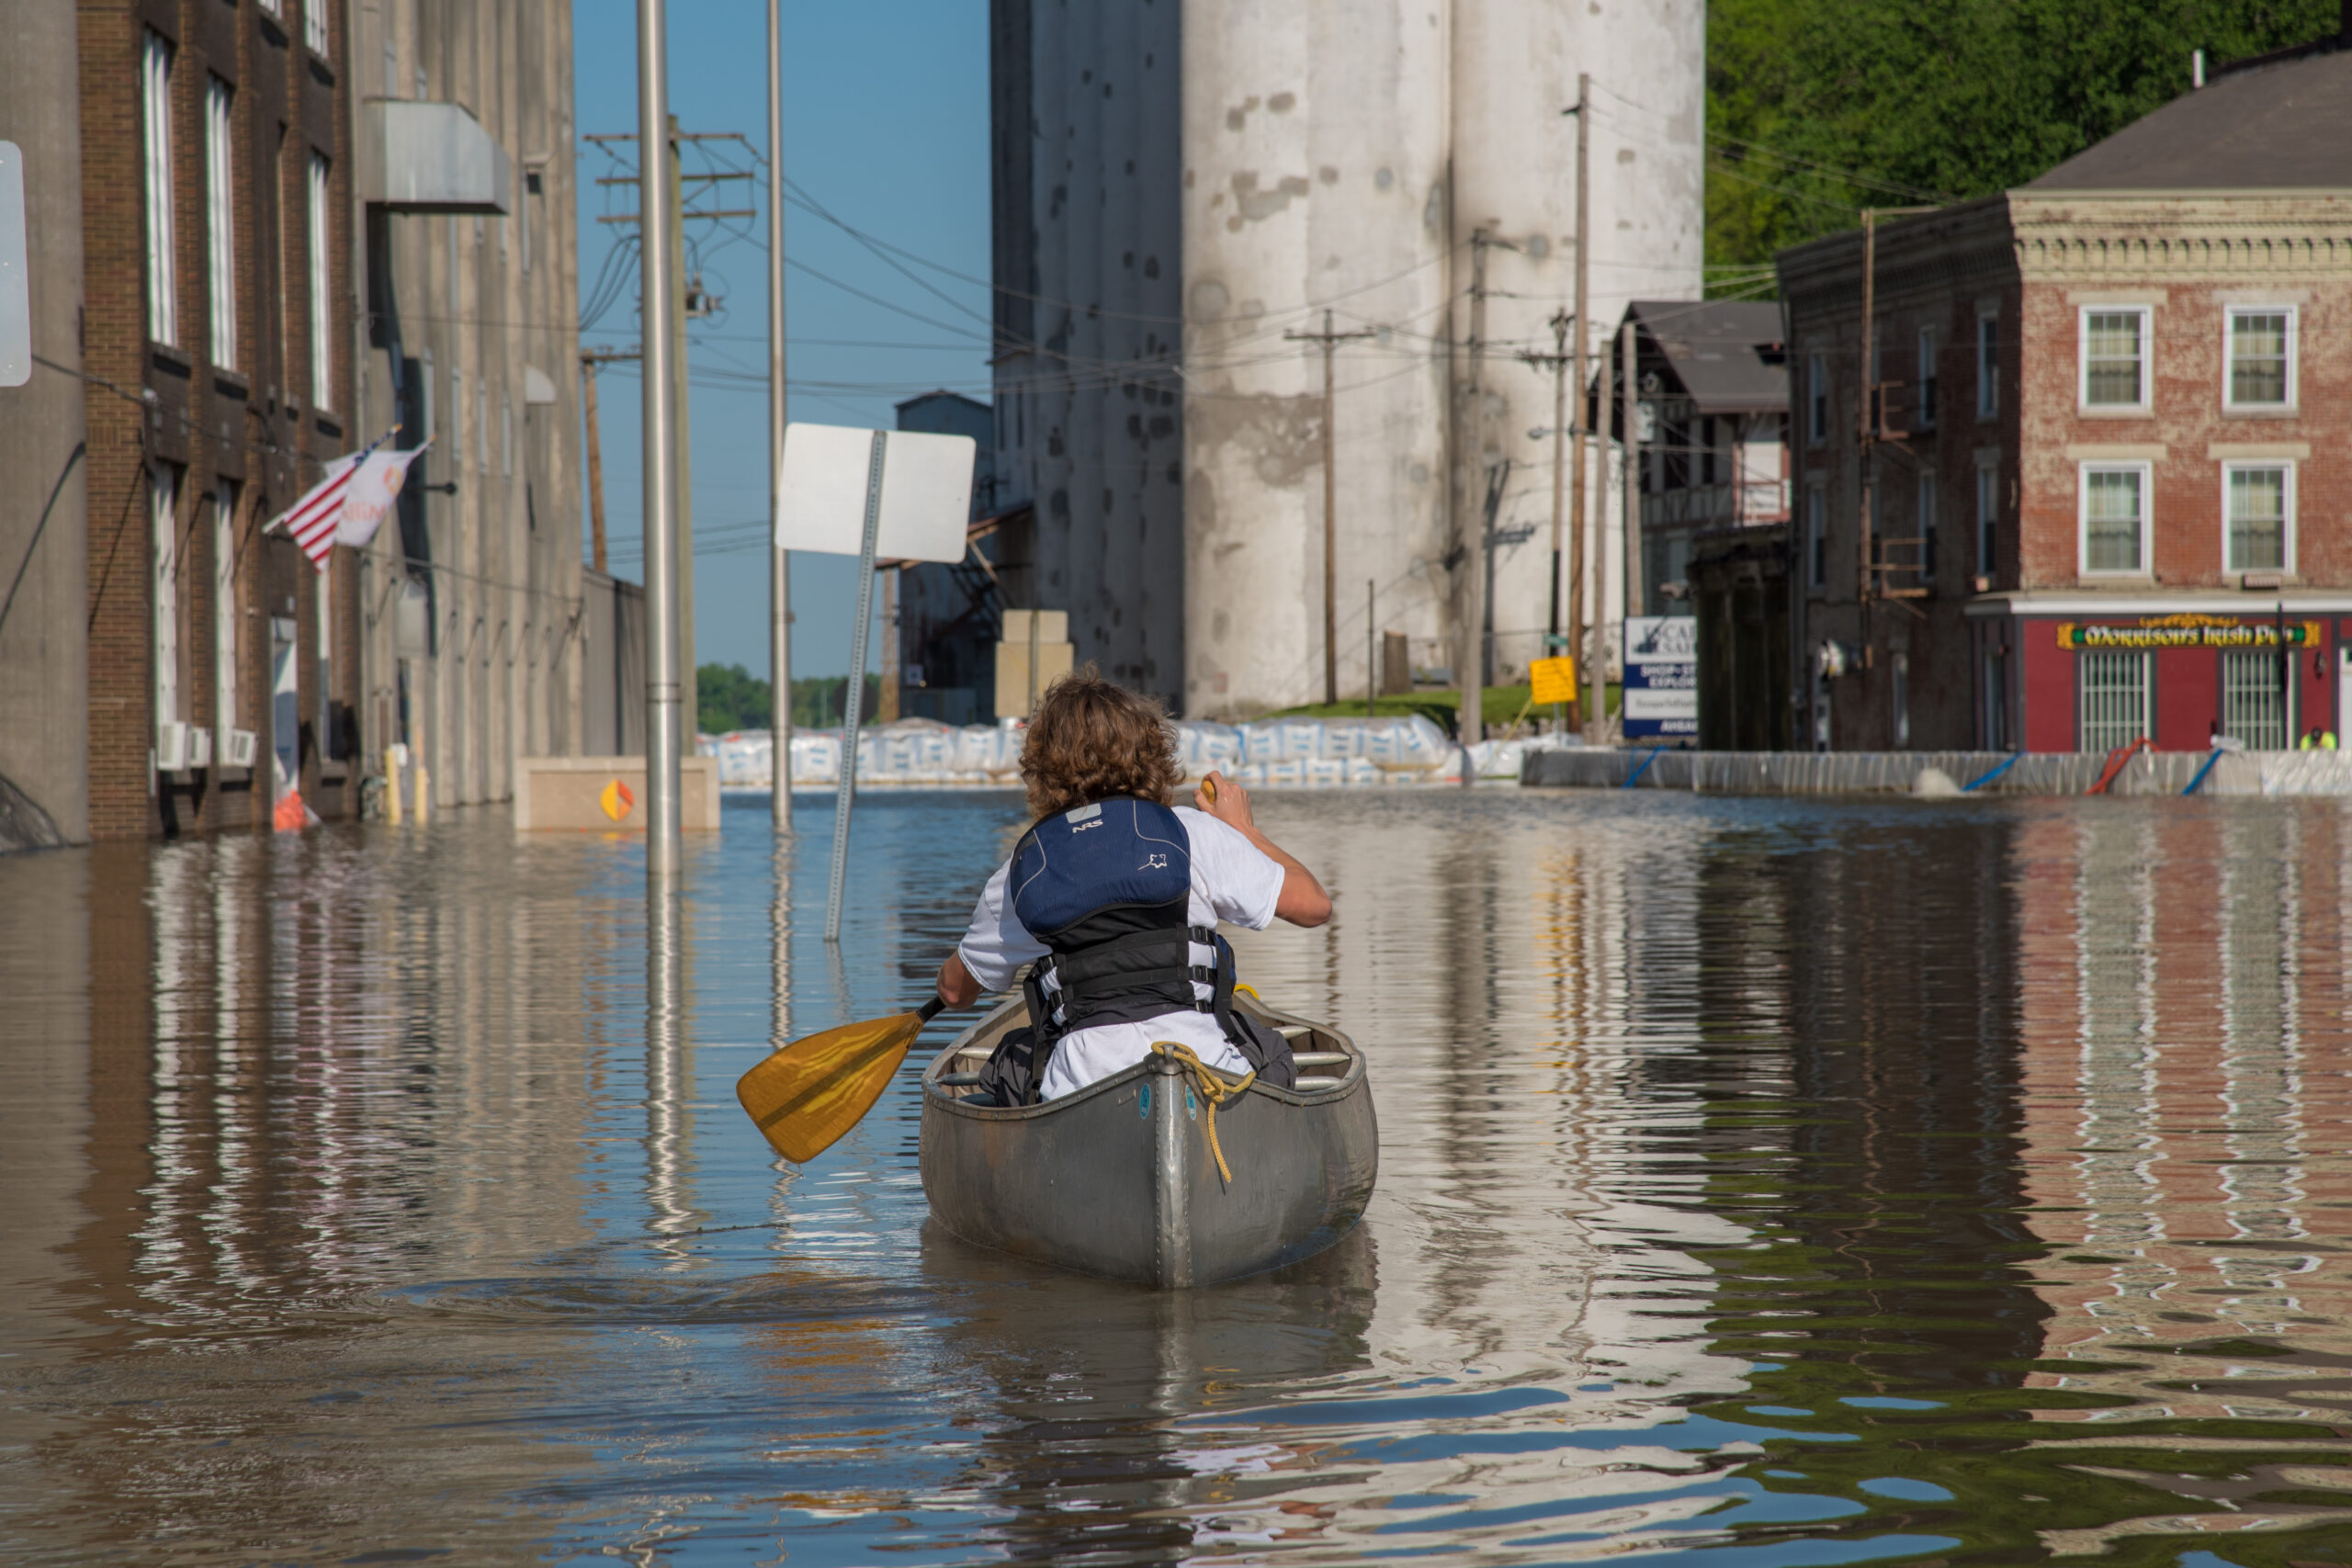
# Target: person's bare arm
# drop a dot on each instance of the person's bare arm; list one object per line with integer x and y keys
{"x": 956, "y": 987}
{"x": 1303, "y": 901}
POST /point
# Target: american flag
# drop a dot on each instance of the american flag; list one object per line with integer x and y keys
{"x": 313, "y": 520}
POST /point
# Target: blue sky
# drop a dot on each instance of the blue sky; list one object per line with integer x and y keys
{"x": 885, "y": 127}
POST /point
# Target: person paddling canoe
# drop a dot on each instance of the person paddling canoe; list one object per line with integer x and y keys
{"x": 1116, "y": 893}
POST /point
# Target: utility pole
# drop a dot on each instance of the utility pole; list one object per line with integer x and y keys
{"x": 1470, "y": 675}
{"x": 1557, "y": 363}
{"x": 657, "y": 283}
{"x": 1866, "y": 432}
{"x": 779, "y": 559}
{"x": 1597, "y": 717}
{"x": 1625, "y": 385}
{"x": 674, "y": 213}
{"x": 1329, "y": 339}
{"x": 595, "y": 458}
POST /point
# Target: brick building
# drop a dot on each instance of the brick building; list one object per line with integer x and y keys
{"x": 2108, "y": 454}
{"x": 215, "y": 352}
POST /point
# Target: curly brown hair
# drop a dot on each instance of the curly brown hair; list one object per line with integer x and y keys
{"x": 1090, "y": 740}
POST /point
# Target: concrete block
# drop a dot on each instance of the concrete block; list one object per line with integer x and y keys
{"x": 607, "y": 794}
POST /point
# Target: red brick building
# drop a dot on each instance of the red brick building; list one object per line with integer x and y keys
{"x": 218, "y": 343}
{"x": 2111, "y": 444}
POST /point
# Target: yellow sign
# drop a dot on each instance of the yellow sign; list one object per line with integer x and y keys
{"x": 2191, "y": 631}
{"x": 1553, "y": 680}
{"x": 616, "y": 800}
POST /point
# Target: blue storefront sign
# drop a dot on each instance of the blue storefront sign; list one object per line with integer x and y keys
{"x": 1661, "y": 677}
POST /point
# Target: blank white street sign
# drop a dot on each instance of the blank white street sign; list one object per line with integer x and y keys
{"x": 926, "y": 492}
{"x": 16, "y": 283}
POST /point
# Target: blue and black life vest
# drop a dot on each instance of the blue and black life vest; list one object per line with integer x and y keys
{"x": 1108, "y": 887}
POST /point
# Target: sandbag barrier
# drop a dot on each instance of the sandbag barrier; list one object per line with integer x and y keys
{"x": 1274, "y": 753}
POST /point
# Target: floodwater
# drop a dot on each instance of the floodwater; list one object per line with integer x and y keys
{"x": 1763, "y": 1183}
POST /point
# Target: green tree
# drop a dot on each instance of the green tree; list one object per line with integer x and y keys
{"x": 728, "y": 696}
{"x": 1816, "y": 108}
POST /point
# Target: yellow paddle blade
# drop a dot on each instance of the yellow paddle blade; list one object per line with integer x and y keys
{"x": 806, "y": 1095}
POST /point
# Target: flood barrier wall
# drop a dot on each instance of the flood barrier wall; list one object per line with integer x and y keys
{"x": 1899, "y": 772}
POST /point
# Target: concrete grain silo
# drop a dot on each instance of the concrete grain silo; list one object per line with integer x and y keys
{"x": 1338, "y": 157}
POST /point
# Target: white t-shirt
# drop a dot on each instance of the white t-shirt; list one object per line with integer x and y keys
{"x": 1232, "y": 880}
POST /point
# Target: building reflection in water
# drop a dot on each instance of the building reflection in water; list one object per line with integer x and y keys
{"x": 1923, "y": 1144}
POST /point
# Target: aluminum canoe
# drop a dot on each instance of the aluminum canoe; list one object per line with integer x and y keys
{"x": 1117, "y": 1180}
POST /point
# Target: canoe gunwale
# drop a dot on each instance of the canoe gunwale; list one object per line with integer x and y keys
{"x": 949, "y": 1099}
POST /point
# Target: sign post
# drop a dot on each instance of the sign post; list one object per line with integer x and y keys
{"x": 1661, "y": 698}
{"x": 875, "y": 494}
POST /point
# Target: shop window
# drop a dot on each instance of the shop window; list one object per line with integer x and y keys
{"x": 2114, "y": 519}
{"x": 2114, "y": 699}
{"x": 2115, "y": 356}
{"x": 2256, "y": 698}
{"x": 2262, "y": 357}
{"x": 2259, "y": 499}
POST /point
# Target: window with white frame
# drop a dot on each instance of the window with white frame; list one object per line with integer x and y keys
{"x": 1989, "y": 366}
{"x": 2115, "y": 519}
{"x": 1926, "y": 525}
{"x": 163, "y": 495}
{"x": 1817, "y": 400}
{"x": 2258, "y": 506}
{"x": 1926, "y": 377}
{"x": 2262, "y": 357}
{"x": 220, "y": 217}
{"x": 314, "y": 25}
{"x": 1988, "y": 513}
{"x": 156, "y": 106}
{"x": 272, "y": 8}
{"x": 2115, "y": 356}
{"x": 2113, "y": 698}
{"x": 1817, "y": 534}
{"x": 322, "y": 281}
{"x": 224, "y": 616}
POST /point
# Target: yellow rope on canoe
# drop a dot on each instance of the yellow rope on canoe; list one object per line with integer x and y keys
{"x": 1215, "y": 1088}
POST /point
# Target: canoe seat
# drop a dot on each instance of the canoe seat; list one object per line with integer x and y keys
{"x": 1305, "y": 1084}
{"x": 956, "y": 1080}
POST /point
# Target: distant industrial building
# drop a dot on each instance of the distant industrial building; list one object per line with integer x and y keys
{"x": 1182, "y": 191}
{"x": 942, "y": 620}
{"x": 2109, "y": 429}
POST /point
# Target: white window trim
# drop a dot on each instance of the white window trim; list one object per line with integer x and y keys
{"x": 2083, "y": 472}
{"x": 2235, "y": 465}
{"x": 315, "y": 28}
{"x": 321, "y": 275}
{"x": 155, "y": 176}
{"x": 221, "y": 216}
{"x": 2083, "y": 359}
{"x": 2230, "y": 313}
{"x": 1988, "y": 387}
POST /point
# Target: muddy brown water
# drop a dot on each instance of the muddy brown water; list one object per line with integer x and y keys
{"x": 1764, "y": 1183}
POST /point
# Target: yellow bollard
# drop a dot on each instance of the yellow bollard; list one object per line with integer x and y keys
{"x": 392, "y": 786}
{"x": 423, "y": 796}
